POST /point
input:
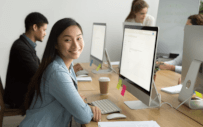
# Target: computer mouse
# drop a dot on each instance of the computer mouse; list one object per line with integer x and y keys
{"x": 115, "y": 116}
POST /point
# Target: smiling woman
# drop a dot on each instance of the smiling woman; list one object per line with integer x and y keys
{"x": 55, "y": 82}
{"x": 70, "y": 44}
{"x": 138, "y": 13}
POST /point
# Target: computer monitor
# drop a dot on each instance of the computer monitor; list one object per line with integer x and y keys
{"x": 192, "y": 76}
{"x": 132, "y": 24}
{"x": 137, "y": 65}
{"x": 98, "y": 50}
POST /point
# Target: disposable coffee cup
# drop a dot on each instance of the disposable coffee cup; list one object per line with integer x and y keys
{"x": 104, "y": 85}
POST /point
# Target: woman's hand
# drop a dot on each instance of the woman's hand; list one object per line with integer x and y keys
{"x": 77, "y": 67}
{"x": 96, "y": 113}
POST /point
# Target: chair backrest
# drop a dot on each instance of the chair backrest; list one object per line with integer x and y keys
{"x": 1, "y": 95}
{"x": 1, "y": 87}
{"x": 2, "y": 106}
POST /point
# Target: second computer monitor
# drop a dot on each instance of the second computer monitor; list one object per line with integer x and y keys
{"x": 192, "y": 73}
{"x": 98, "y": 43}
{"x": 138, "y": 61}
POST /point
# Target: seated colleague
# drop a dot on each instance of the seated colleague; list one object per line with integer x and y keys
{"x": 138, "y": 13}
{"x": 52, "y": 98}
{"x": 176, "y": 64}
{"x": 173, "y": 65}
{"x": 23, "y": 60}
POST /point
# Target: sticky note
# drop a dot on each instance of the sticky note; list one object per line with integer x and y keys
{"x": 119, "y": 84}
{"x": 98, "y": 67}
{"x": 91, "y": 62}
{"x": 198, "y": 94}
{"x": 123, "y": 90}
{"x": 124, "y": 87}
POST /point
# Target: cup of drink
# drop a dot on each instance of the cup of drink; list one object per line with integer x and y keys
{"x": 104, "y": 85}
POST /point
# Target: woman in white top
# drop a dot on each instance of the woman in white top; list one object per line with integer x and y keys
{"x": 138, "y": 13}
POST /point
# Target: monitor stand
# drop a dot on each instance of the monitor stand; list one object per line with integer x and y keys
{"x": 110, "y": 68}
{"x": 189, "y": 85}
{"x": 155, "y": 103}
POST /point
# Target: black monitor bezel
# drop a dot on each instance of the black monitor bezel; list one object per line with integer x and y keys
{"x": 154, "y": 56}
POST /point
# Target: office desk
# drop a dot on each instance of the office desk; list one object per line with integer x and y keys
{"x": 169, "y": 78}
{"x": 165, "y": 116}
{"x": 94, "y": 85}
{"x": 165, "y": 113}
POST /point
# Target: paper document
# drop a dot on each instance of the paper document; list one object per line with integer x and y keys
{"x": 84, "y": 79}
{"x": 172, "y": 89}
{"x": 115, "y": 63}
{"x": 129, "y": 124}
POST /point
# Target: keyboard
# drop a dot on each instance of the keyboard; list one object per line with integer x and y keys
{"x": 106, "y": 106}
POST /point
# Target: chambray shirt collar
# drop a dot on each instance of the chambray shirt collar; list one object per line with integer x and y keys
{"x": 30, "y": 41}
{"x": 71, "y": 72}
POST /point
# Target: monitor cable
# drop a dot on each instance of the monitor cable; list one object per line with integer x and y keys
{"x": 159, "y": 95}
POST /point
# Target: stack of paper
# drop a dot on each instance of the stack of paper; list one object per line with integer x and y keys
{"x": 129, "y": 124}
{"x": 113, "y": 63}
{"x": 84, "y": 79}
{"x": 172, "y": 89}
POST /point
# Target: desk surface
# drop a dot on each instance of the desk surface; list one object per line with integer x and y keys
{"x": 165, "y": 116}
{"x": 169, "y": 78}
{"x": 94, "y": 85}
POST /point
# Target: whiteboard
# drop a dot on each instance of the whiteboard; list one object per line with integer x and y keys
{"x": 171, "y": 19}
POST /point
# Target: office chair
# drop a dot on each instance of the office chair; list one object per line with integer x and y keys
{"x": 4, "y": 110}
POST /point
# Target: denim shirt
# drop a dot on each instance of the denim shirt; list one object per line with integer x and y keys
{"x": 30, "y": 41}
{"x": 60, "y": 99}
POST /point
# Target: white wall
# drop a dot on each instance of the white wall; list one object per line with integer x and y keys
{"x": 85, "y": 12}
{"x": 153, "y": 7}
{"x": 171, "y": 19}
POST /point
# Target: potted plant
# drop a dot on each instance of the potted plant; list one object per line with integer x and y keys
{"x": 201, "y": 8}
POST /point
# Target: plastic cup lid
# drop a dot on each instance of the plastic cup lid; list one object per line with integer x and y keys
{"x": 104, "y": 79}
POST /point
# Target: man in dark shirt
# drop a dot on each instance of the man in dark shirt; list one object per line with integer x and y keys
{"x": 23, "y": 60}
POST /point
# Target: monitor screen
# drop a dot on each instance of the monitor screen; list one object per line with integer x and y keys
{"x": 98, "y": 39}
{"x": 138, "y": 56}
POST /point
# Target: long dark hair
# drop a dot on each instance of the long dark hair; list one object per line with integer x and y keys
{"x": 48, "y": 56}
{"x": 137, "y": 5}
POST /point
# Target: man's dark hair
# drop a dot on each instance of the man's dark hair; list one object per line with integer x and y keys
{"x": 35, "y": 18}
